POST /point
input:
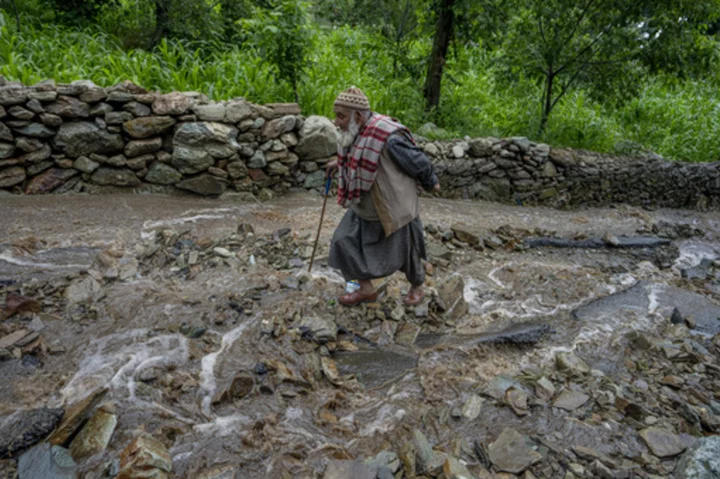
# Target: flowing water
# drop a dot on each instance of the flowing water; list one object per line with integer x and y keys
{"x": 133, "y": 339}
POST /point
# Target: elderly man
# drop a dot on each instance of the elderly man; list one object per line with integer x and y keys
{"x": 379, "y": 170}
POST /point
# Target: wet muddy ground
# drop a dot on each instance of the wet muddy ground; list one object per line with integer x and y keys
{"x": 214, "y": 339}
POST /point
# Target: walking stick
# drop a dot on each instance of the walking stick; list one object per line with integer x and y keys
{"x": 322, "y": 215}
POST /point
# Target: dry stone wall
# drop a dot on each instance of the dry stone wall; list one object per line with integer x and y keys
{"x": 84, "y": 138}
{"x": 80, "y": 137}
{"x": 520, "y": 171}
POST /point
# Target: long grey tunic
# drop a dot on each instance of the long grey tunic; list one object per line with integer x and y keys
{"x": 361, "y": 250}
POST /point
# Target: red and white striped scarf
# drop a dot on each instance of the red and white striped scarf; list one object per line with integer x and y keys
{"x": 357, "y": 170}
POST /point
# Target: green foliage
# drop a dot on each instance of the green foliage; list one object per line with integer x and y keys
{"x": 603, "y": 45}
{"x": 283, "y": 35}
{"x": 677, "y": 116}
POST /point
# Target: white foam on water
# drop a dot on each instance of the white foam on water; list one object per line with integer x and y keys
{"x": 10, "y": 258}
{"x": 208, "y": 382}
{"x": 387, "y": 418}
{"x": 492, "y": 277}
{"x": 692, "y": 253}
{"x": 205, "y": 214}
{"x": 223, "y": 426}
{"x": 115, "y": 360}
{"x": 470, "y": 292}
{"x": 655, "y": 291}
{"x": 293, "y": 413}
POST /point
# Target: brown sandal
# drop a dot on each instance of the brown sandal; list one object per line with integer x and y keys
{"x": 414, "y": 297}
{"x": 356, "y": 297}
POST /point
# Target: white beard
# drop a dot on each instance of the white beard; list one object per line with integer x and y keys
{"x": 347, "y": 138}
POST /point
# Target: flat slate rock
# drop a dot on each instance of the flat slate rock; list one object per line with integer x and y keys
{"x": 374, "y": 366}
{"x": 636, "y": 300}
{"x": 700, "y": 462}
{"x": 594, "y": 243}
{"x": 46, "y": 461}
{"x": 22, "y": 429}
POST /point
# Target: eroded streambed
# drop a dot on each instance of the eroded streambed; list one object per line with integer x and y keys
{"x": 194, "y": 321}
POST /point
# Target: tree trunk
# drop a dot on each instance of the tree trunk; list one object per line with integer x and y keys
{"x": 162, "y": 21}
{"x": 441, "y": 41}
{"x": 547, "y": 101}
{"x": 17, "y": 15}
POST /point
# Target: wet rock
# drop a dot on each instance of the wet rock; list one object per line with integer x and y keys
{"x": 662, "y": 443}
{"x": 85, "y": 164}
{"x": 75, "y": 416}
{"x": 162, "y": 174}
{"x": 675, "y": 382}
{"x": 499, "y": 385}
{"x": 407, "y": 333}
{"x": 275, "y": 128}
{"x": 426, "y": 459}
{"x": 699, "y": 272}
{"x": 45, "y": 461}
{"x": 145, "y": 457}
{"x": 210, "y": 112}
{"x": 205, "y": 184}
{"x": 142, "y": 147}
{"x": 12, "y": 95}
{"x": 93, "y": 95}
{"x": 175, "y": 103}
{"x": 570, "y": 400}
{"x": 49, "y": 180}
{"x": 239, "y": 387}
{"x": 454, "y": 469}
{"x": 702, "y": 461}
{"x": 36, "y": 130}
{"x": 386, "y": 459}
{"x": 12, "y": 176}
{"x": 16, "y": 303}
{"x": 13, "y": 338}
{"x": 82, "y": 290}
{"x": 374, "y": 367}
{"x": 237, "y": 111}
{"x": 191, "y": 160}
{"x": 318, "y": 139}
{"x": 22, "y": 429}
{"x": 512, "y": 452}
{"x": 465, "y": 235}
{"x": 450, "y": 297}
{"x": 227, "y": 472}
{"x": 544, "y": 389}
{"x": 207, "y": 135}
{"x": 523, "y": 333}
{"x": 94, "y": 437}
{"x": 571, "y": 364}
{"x": 83, "y": 138}
{"x": 517, "y": 400}
{"x": 319, "y": 329}
{"x": 147, "y": 126}
{"x": 68, "y": 107}
{"x": 348, "y": 470}
{"x": 115, "y": 177}
{"x": 676, "y": 317}
{"x": 315, "y": 179}
{"x": 471, "y": 408}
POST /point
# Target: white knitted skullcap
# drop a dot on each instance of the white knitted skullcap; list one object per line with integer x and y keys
{"x": 353, "y": 98}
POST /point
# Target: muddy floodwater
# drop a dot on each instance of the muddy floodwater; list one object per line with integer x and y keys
{"x": 199, "y": 320}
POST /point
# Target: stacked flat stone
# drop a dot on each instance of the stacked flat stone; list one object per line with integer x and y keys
{"x": 80, "y": 137}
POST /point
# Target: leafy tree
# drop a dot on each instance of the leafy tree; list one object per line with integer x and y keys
{"x": 444, "y": 24}
{"x": 604, "y": 45}
{"x": 282, "y": 33}
{"x": 78, "y": 11}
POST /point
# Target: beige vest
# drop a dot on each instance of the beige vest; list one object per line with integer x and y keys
{"x": 393, "y": 198}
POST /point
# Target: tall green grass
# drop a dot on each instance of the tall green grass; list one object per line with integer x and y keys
{"x": 679, "y": 120}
